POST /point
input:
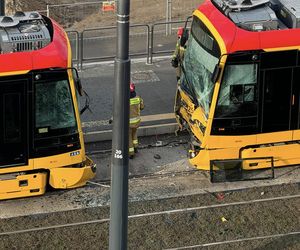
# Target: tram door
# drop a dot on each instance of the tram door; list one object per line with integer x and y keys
{"x": 13, "y": 124}
{"x": 295, "y": 112}
{"x": 280, "y": 99}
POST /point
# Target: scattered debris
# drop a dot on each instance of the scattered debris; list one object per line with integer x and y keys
{"x": 223, "y": 219}
{"x": 220, "y": 196}
{"x": 157, "y": 156}
{"x": 193, "y": 215}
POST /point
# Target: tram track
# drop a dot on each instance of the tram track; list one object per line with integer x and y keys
{"x": 185, "y": 222}
{"x": 167, "y": 212}
{"x": 236, "y": 241}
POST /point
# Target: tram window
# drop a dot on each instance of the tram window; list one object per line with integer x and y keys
{"x": 204, "y": 37}
{"x": 12, "y": 118}
{"x": 249, "y": 93}
{"x": 242, "y": 93}
{"x": 238, "y": 91}
{"x": 54, "y": 106}
{"x": 199, "y": 65}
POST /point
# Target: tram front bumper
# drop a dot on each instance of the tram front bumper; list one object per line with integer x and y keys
{"x": 72, "y": 177}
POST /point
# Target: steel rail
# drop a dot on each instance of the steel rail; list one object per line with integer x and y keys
{"x": 235, "y": 241}
{"x": 166, "y": 212}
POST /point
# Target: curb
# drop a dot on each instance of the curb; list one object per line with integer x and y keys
{"x": 106, "y": 135}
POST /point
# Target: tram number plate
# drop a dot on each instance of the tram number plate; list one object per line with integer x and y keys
{"x": 74, "y": 153}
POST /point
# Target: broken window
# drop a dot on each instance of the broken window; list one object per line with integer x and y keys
{"x": 199, "y": 66}
{"x": 54, "y": 106}
{"x": 237, "y": 95}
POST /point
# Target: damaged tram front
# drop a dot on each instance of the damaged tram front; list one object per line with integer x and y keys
{"x": 238, "y": 94}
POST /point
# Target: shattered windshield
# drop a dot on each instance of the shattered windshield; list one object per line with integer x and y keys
{"x": 199, "y": 65}
{"x": 54, "y": 106}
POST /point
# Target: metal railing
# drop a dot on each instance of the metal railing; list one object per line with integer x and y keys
{"x": 84, "y": 37}
{"x": 151, "y": 44}
{"x": 144, "y": 34}
{"x": 74, "y": 45}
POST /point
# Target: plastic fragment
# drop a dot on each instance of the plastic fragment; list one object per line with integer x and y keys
{"x": 223, "y": 219}
{"x": 157, "y": 156}
{"x": 220, "y": 196}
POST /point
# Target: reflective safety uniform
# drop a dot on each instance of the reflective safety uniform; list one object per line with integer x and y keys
{"x": 177, "y": 57}
{"x": 136, "y": 105}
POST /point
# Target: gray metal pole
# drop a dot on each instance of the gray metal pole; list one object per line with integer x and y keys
{"x": 48, "y": 10}
{"x": 119, "y": 166}
{"x": 168, "y": 17}
{"x": 2, "y": 7}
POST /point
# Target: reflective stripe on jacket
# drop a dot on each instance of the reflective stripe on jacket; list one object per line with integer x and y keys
{"x": 179, "y": 52}
{"x": 136, "y": 105}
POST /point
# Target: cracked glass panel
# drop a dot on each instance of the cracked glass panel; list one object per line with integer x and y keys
{"x": 54, "y": 106}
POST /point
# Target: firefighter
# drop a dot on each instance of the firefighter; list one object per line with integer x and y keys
{"x": 178, "y": 54}
{"x": 136, "y": 105}
{"x": 177, "y": 57}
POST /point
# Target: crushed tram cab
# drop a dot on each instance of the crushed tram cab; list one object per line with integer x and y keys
{"x": 41, "y": 140}
{"x": 239, "y": 91}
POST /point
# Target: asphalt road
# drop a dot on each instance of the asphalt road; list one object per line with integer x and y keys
{"x": 155, "y": 83}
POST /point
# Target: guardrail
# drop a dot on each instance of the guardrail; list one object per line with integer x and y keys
{"x": 152, "y": 52}
{"x": 84, "y": 37}
{"x": 75, "y": 47}
{"x": 149, "y": 32}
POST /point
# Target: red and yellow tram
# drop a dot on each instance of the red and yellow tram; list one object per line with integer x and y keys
{"x": 41, "y": 140}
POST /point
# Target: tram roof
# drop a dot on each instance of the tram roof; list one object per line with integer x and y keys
{"x": 54, "y": 55}
{"x": 238, "y": 39}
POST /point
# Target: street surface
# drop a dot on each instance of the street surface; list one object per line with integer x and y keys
{"x": 155, "y": 83}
